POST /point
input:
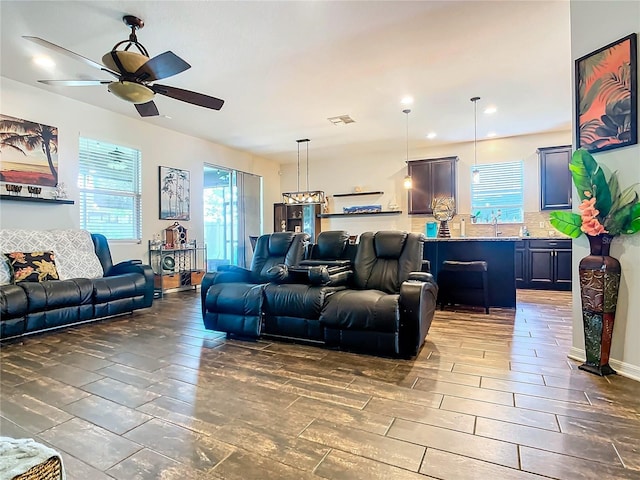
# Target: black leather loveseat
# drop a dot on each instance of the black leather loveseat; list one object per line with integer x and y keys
{"x": 31, "y": 306}
{"x": 385, "y": 304}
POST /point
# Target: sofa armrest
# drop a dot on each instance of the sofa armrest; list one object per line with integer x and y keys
{"x": 422, "y": 277}
{"x": 224, "y": 274}
{"x": 135, "y": 266}
{"x": 417, "y": 307}
{"x": 233, "y": 269}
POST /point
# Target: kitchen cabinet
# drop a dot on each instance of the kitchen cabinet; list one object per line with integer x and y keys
{"x": 555, "y": 178}
{"x": 546, "y": 264}
{"x": 297, "y": 218}
{"x": 431, "y": 178}
{"x": 497, "y": 252}
{"x": 521, "y": 263}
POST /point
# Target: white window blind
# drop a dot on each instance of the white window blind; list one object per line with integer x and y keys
{"x": 110, "y": 190}
{"x": 499, "y": 193}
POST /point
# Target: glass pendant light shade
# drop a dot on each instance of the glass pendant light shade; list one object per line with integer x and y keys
{"x": 475, "y": 173}
{"x": 304, "y": 197}
{"x": 407, "y": 183}
{"x": 475, "y": 176}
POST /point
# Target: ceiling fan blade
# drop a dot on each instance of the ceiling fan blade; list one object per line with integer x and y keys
{"x": 188, "y": 96}
{"x": 148, "y": 109}
{"x": 69, "y": 53}
{"x": 161, "y": 66}
{"x": 75, "y": 83}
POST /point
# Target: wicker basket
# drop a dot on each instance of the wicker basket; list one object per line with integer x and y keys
{"x": 48, "y": 470}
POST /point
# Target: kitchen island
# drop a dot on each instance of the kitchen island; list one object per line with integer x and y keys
{"x": 498, "y": 252}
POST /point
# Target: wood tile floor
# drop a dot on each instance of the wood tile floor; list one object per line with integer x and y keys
{"x": 155, "y": 396}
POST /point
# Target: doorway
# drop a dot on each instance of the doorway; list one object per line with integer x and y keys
{"x": 232, "y": 213}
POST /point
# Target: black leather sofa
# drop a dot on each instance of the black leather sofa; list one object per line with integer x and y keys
{"x": 28, "y": 307}
{"x": 371, "y": 297}
{"x": 232, "y": 297}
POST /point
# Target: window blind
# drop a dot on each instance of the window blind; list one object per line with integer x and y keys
{"x": 499, "y": 193}
{"x": 110, "y": 187}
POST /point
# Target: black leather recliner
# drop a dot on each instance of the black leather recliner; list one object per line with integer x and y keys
{"x": 295, "y": 297}
{"x": 390, "y": 303}
{"x": 232, "y": 297}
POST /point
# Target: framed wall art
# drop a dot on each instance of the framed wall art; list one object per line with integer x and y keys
{"x": 28, "y": 152}
{"x": 607, "y": 96}
{"x": 175, "y": 194}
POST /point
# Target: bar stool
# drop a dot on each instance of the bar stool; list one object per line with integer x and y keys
{"x": 464, "y": 283}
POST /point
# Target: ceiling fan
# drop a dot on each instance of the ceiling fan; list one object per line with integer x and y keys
{"x": 135, "y": 73}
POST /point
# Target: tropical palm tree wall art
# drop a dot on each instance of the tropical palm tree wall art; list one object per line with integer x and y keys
{"x": 174, "y": 194}
{"x": 607, "y": 96}
{"x": 28, "y": 152}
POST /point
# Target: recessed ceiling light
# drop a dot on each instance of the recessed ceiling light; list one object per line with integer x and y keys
{"x": 491, "y": 134}
{"x": 491, "y": 109}
{"x": 408, "y": 100}
{"x": 167, "y": 117}
{"x": 431, "y": 135}
{"x": 44, "y": 62}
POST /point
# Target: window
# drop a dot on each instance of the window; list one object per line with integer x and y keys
{"x": 110, "y": 189}
{"x": 499, "y": 193}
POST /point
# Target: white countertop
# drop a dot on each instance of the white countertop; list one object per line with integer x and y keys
{"x": 491, "y": 239}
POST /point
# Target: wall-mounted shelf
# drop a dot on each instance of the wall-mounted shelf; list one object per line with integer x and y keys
{"x": 355, "y": 194}
{"x": 18, "y": 198}
{"x": 386, "y": 212}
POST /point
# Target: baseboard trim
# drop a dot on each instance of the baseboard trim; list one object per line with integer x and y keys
{"x": 622, "y": 368}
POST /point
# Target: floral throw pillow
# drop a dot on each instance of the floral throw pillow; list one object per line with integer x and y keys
{"x": 32, "y": 266}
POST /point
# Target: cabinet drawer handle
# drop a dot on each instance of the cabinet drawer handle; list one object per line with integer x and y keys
{"x": 553, "y": 243}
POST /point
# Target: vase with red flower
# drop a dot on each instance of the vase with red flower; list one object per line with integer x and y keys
{"x": 606, "y": 212}
{"x": 599, "y": 275}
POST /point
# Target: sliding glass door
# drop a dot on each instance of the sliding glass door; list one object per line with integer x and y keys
{"x": 232, "y": 213}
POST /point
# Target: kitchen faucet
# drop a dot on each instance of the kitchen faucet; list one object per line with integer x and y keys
{"x": 494, "y": 222}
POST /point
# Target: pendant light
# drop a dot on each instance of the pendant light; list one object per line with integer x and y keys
{"x": 475, "y": 173}
{"x": 303, "y": 197}
{"x": 407, "y": 179}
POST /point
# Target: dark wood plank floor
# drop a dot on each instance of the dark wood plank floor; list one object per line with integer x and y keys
{"x": 155, "y": 396}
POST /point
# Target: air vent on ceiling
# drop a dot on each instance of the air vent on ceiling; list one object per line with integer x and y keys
{"x": 341, "y": 120}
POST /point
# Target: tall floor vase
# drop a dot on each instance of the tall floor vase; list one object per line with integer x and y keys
{"x": 599, "y": 281}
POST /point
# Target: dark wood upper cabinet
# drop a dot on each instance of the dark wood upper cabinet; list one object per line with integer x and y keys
{"x": 555, "y": 178}
{"x": 431, "y": 178}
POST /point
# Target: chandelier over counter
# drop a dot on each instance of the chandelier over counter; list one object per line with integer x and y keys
{"x": 303, "y": 197}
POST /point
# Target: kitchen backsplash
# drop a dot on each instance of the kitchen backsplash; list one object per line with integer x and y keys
{"x": 536, "y": 222}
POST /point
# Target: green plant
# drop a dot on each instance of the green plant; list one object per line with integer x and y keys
{"x": 605, "y": 208}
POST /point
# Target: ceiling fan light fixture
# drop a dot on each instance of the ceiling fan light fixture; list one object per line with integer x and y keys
{"x": 131, "y": 92}
{"x": 130, "y": 61}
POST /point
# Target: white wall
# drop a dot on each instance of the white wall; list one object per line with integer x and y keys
{"x": 595, "y": 24}
{"x": 159, "y": 146}
{"x": 386, "y": 171}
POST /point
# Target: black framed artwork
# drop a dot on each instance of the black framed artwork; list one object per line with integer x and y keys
{"x": 175, "y": 192}
{"x": 606, "y": 91}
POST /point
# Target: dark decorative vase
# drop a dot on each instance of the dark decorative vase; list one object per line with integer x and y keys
{"x": 599, "y": 282}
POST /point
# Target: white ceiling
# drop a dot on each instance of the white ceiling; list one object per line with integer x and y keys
{"x": 283, "y": 68}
